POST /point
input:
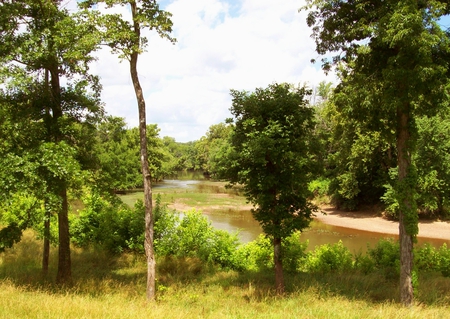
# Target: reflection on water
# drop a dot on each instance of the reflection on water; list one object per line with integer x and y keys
{"x": 318, "y": 233}
{"x": 175, "y": 183}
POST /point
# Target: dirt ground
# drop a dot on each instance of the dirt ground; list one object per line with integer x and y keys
{"x": 373, "y": 222}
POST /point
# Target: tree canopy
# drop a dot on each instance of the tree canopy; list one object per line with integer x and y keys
{"x": 395, "y": 61}
{"x": 273, "y": 159}
{"x": 44, "y": 67}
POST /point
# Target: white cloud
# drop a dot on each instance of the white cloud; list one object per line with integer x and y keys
{"x": 222, "y": 45}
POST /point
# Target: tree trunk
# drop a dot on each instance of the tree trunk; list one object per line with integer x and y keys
{"x": 148, "y": 244}
{"x": 46, "y": 250}
{"x": 64, "y": 275}
{"x": 406, "y": 240}
{"x": 279, "y": 278}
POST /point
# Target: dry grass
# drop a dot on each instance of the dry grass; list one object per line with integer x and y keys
{"x": 114, "y": 287}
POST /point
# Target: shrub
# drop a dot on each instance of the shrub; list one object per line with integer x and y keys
{"x": 193, "y": 236}
{"x": 319, "y": 187}
{"x": 165, "y": 229}
{"x": 294, "y": 252}
{"x": 364, "y": 263}
{"x": 426, "y": 258}
{"x": 328, "y": 258}
{"x": 110, "y": 225}
{"x": 386, "y": 256}
{"x": 256, "y": 255}
{"x": 444, "y": 260}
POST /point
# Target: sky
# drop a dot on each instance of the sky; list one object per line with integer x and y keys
{"x": 221, "y": 45}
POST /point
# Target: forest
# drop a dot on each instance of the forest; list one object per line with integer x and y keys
{"x": 379, "y": 138}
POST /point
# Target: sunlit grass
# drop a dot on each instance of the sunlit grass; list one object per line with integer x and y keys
{"x": 107, "y": 286}
{"x": 210, "y": 195}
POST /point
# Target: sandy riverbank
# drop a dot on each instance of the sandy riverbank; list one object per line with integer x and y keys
{"x": 373, "y": 222}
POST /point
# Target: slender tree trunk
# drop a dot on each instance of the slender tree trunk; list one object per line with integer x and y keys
{"x": 148, "y": 244}
{"x": 46, "y": 250}
{"x": 64, "y": 275}
{"x": 279, "y": 278}
{"x": 406, "y": 240}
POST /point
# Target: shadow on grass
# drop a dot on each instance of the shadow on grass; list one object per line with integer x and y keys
{"x": 96, "y": 273}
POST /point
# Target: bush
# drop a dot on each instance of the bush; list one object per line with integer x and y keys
{"x": 165, "y": 229}
{"x": 294, "y": 252}
{"x": 444, "y": 260}
{"x": 386, "y": 256}
{"x": 193, "y": 236}
{"x": 330, "y": 258}
{"x": 112, "y": 226}
{"x": 257, "y": 255}
{"x": 319, "y": 187}
{"x": 426, "y": 258}
{"x": 364, "y": 263}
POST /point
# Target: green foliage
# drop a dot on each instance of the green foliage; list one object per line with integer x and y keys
{"x": 257, "y": 255}
{"x": 427, "y": 258}
{"x": 117, "y": 149}
{"x": 319, "y": 187}
{"x": 273, "y": 155}
{"x": 196, "y": 237}
{"x": 364, "y": 263}
{"x": 294, "y": 252}
{"x": 116, "y": 228}
{"x": 398, "y": 194}
{"x": 165, "y": 229}
{"x": 432, "y": 160}
{"x": 386, "y": 256}
{"x": 213, "y": 150}
{"x": 110, "y": 225}
{"x": 444, "y": 260}
{"x": 330, "y": 258}
{"x": 10, "y": 235}
{"x": 120, "y": 35}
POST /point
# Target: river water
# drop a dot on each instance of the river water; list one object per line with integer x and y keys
{"x": 317, "y": 234}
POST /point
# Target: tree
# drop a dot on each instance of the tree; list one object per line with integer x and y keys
{"x": 273, "y": 160}
{"x": 117, "y": 149}
{"x": 212, "y": 148}
{"x": 43, "y": 47}
{"x": 125, "y": 38}
{"x": 397, "y": 53}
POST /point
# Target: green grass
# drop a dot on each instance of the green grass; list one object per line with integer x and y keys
{"x": 207, "y": 195}
{"x": 108, "y": 286}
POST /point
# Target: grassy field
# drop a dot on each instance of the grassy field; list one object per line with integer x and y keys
{"x": 108, "y": 286}
{"x": 205, "y": 196}
{"x": 114, "y": 287}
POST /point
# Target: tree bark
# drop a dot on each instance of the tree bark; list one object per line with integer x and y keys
{"x": 148, "y": 244}
{"x": 277, "y": 258}
{"x": 406, "y": 240}
{"x": 46, "y": 250}
{"x": 64, "y": 275}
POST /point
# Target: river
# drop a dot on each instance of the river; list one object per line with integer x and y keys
{"x": 317, "y": 234}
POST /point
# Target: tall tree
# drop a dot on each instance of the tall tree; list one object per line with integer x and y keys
{"x": 273, "y": 160}
{"x": 125, "y": 38}
{"x": 397, "y": 53}
{"x": 43, "y": 42}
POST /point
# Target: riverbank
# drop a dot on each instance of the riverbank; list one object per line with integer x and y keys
{"x": 373, "y": 222}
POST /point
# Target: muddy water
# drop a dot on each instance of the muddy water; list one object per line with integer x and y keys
{"x": 318, "y": 233}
